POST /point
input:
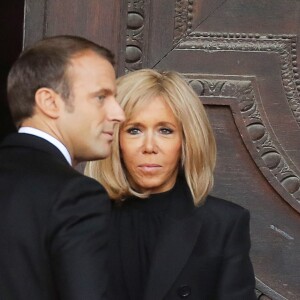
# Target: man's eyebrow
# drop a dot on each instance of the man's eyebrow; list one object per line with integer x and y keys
{"x": 102, "y": 91}
{"x": 162, "y": 123}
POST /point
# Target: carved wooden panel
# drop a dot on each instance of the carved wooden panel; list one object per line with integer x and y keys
{"x": 241, "y": 58}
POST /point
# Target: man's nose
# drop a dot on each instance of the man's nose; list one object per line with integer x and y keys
{"x": 116, "y": 112}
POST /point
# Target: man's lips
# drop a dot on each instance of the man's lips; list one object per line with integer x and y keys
{"x": 109, "y": 134}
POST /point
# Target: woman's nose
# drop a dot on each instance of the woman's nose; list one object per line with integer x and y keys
{"x": 150, "y": 144}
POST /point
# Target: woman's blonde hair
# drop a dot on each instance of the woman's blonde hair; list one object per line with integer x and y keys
{"x": 198, "y": 155}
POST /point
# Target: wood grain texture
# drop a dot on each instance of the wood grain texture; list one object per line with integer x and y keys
{"x": 241, "y": 57}
{"x": 103, "y": 22}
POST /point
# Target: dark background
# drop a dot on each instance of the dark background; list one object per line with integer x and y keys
{"x": 11, "y": 33}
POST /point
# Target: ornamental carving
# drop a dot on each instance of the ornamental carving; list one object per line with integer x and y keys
{"x": 272, "y": 160}
{"x": 282, "y": 45}
{"x": 262, "y": 289}
{"x": 261, "y": 296}
{"x": 135, "y": 4}
{"x": 135, "y": 35}
{"x": 183, "y": 19}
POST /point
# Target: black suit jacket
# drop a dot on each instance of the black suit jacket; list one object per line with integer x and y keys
{"x": 53, "y": 225}
{"x": 202, "y": 253}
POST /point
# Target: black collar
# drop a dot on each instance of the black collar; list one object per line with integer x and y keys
{"x": 180, "y": 231}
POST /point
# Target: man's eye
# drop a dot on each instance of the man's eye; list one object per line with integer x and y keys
{"x": 166, "y": 130}
{"x": 101, "y": 97}
{"x": 133, "y": 130}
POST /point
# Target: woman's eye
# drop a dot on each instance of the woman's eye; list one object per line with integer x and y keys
{"x": 133, "y": 131}
{"x": 165, "y": 130}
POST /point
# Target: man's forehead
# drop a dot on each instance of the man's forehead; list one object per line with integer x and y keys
{"x": 90, "y": 63}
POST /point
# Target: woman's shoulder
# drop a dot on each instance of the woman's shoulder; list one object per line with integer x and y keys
{"x": 223, "y": 209}
{"x": 216, "y": 202}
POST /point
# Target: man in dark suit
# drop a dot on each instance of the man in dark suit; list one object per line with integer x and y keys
{"x": 53, "y": 220}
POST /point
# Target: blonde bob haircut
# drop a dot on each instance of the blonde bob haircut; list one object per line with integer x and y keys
{"x": 198, "y": 157}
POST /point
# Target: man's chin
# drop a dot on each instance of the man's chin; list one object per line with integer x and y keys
{"x": 102, "y": 155}
{"x": 93, "y": 157}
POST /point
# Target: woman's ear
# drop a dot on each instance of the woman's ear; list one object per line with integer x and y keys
{"x": 48, "y": 102}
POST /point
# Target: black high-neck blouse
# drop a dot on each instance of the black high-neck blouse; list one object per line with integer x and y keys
{"x": 135, "y": 226}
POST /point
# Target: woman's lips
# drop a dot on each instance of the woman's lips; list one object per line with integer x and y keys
{"x": 149, "y": 167}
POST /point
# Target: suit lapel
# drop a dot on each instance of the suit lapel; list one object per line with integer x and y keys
{"x": 179, "y": 234}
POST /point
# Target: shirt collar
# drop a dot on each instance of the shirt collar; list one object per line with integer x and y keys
{"x": 61, "y": 147}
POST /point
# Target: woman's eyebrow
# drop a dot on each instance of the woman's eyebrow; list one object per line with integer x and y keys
{"x": 129, "y": 123}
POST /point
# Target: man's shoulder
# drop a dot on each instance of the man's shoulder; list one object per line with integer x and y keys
{"x": 41, "y": 161}
{"x": 32, "y": 150}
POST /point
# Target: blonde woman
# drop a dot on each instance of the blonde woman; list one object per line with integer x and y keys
{"x": 169, "y": 238}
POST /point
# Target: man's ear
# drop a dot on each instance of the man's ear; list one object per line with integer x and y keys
{"x": 48, "y": 102}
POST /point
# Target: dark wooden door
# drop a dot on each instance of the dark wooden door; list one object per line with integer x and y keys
{"x": 240, "y": 56}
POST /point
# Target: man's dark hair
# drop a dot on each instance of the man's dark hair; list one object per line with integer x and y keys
{"x": 45, "y": 64}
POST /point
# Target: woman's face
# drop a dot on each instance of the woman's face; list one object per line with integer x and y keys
{"x": 150, "y": 143}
